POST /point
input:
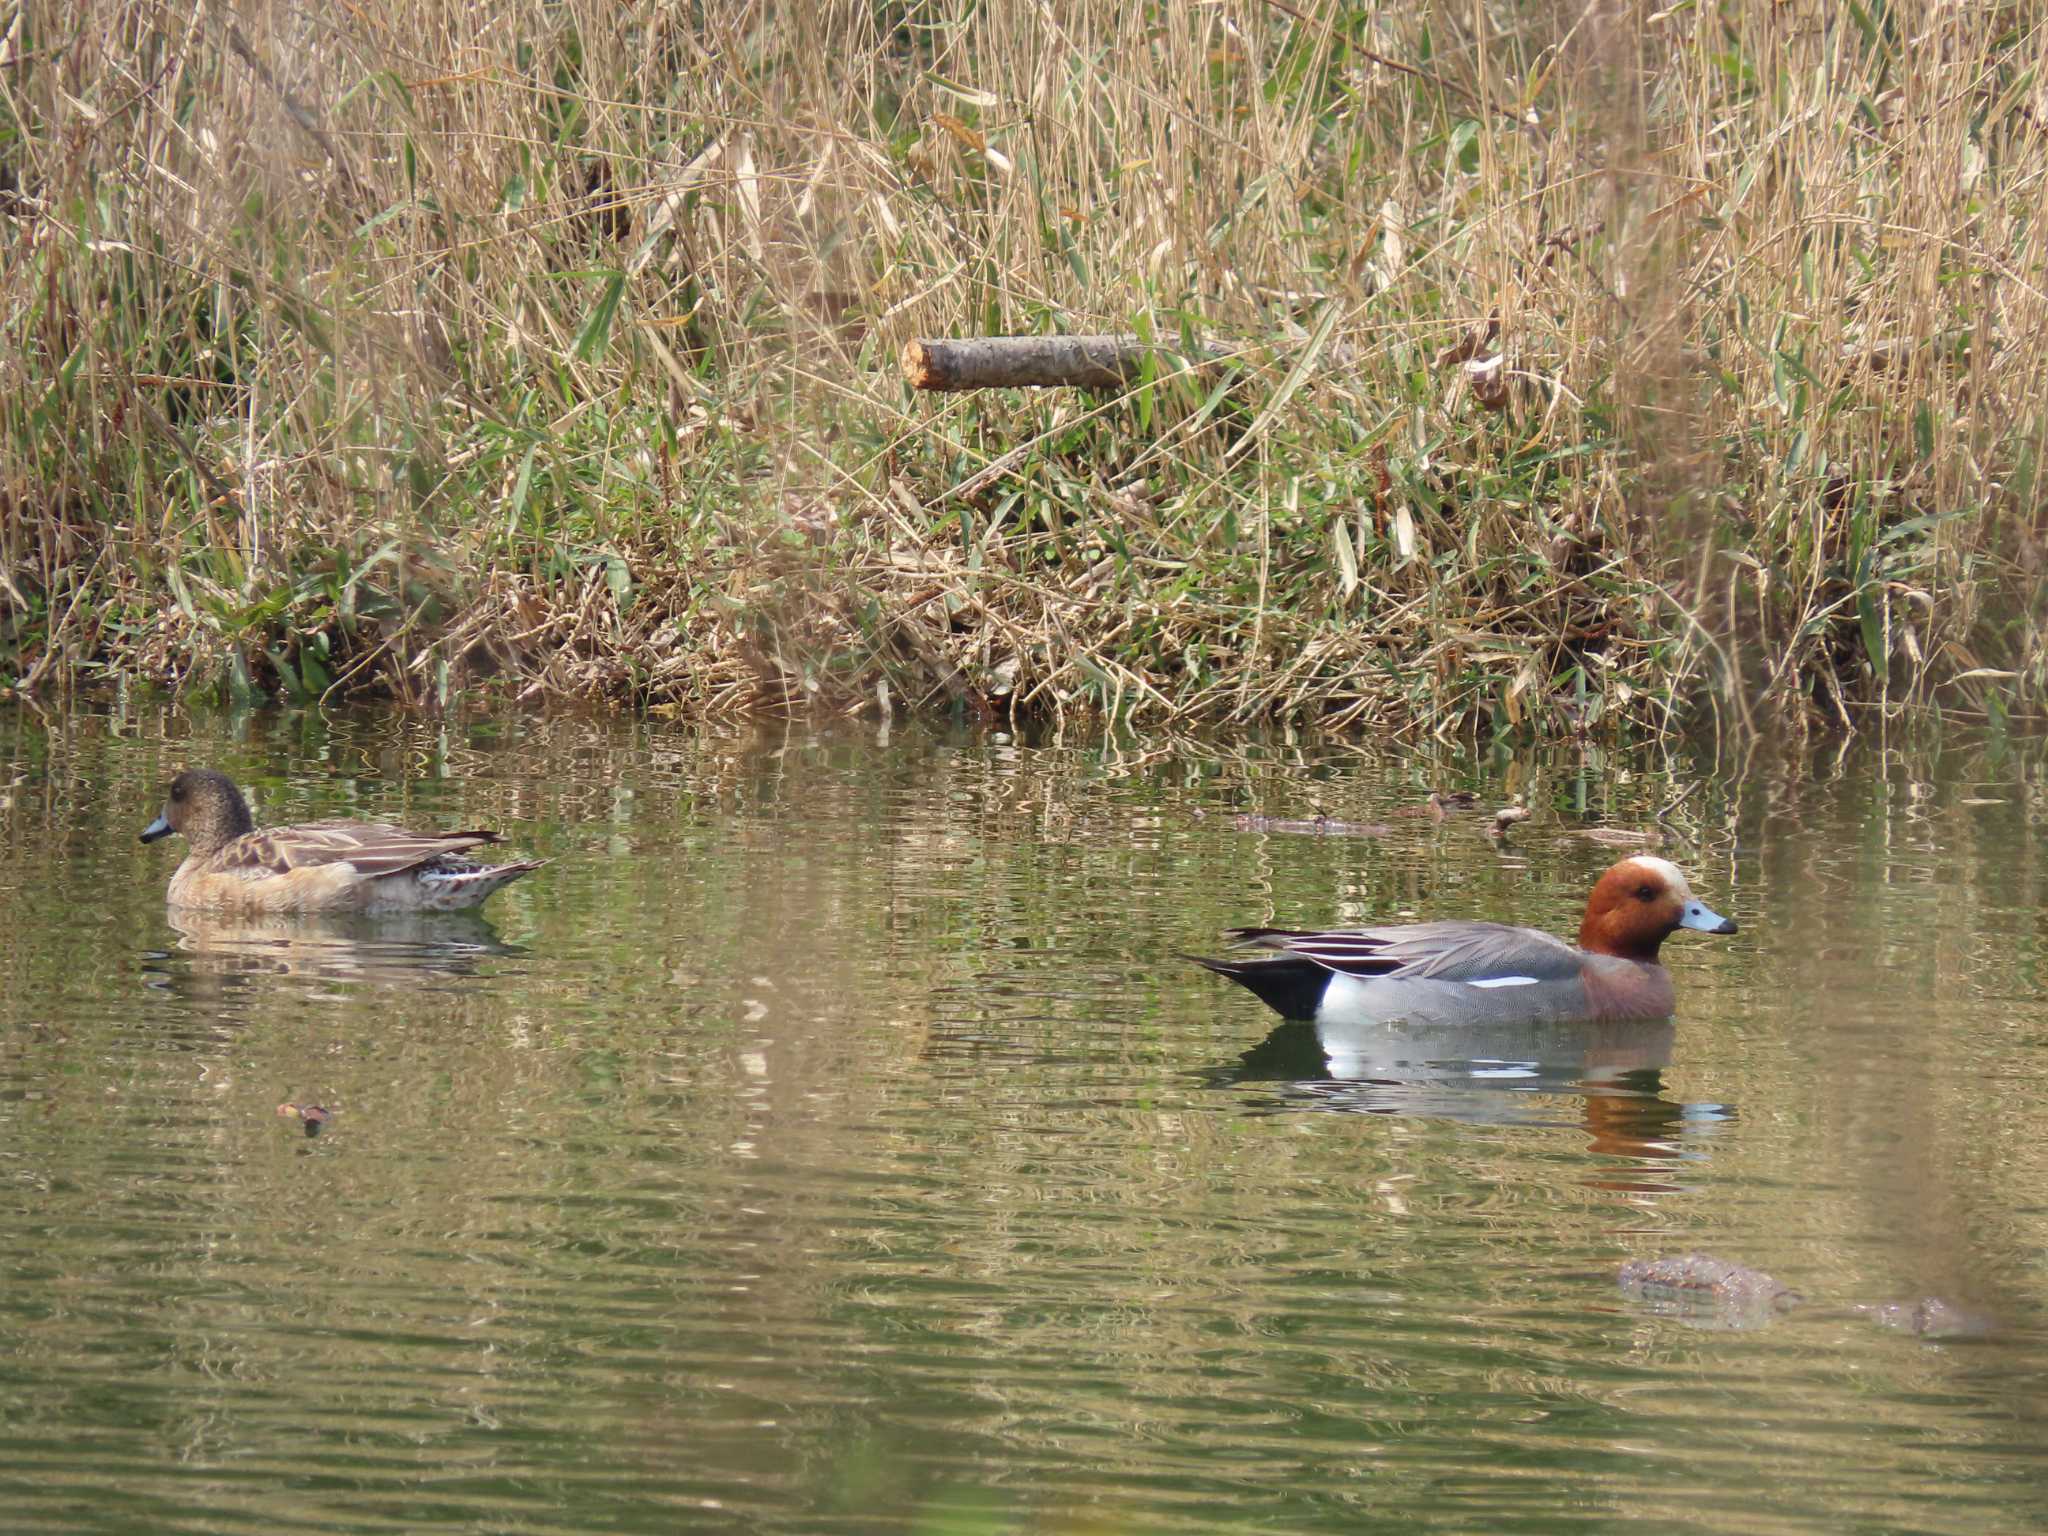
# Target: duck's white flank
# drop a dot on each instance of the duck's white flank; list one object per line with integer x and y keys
{"x": 1344, "y": 997}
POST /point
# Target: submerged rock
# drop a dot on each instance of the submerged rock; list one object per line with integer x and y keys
{"x": 1931, "y": 1317}
{"x": 1707, "y": 1292}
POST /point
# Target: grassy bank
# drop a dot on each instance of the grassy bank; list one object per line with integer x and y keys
{"x": 1588, "y": 369}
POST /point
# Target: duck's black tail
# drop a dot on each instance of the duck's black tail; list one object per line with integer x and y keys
{"x": 1291, "y": 987}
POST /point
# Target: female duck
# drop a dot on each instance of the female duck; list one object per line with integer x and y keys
{"x": 318, "y": 866}
{"x": 1486, "y": 973}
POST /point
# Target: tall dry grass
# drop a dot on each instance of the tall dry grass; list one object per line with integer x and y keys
{"x": 1594, "y": 364}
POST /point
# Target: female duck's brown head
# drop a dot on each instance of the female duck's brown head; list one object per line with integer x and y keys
{"x": 205, "y": 808}
{"x": 1638, "y": 904}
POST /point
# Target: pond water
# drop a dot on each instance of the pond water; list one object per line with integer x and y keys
{"x": 829, "y": 1139}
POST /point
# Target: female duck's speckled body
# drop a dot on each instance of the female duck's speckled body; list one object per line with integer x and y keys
{"x": 1486, "y": 973}
{"x": 317, "y": 866}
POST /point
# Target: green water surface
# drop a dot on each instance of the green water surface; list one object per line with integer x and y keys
{"x": 828, "y": 1139}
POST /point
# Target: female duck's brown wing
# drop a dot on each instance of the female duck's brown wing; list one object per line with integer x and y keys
{"x": 373, "y": 850}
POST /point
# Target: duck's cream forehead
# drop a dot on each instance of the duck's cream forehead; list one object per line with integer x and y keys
{"x": 1672, "y": 876}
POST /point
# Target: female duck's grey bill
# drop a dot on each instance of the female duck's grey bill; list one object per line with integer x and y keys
{"x": 1697, "y": 914}
{"x": 156, "y": 829}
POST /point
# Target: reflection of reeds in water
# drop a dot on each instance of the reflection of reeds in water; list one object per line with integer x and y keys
{"x": 951, "y": 1195}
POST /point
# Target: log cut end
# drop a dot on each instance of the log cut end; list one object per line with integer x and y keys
{"x": 921, "y": 366}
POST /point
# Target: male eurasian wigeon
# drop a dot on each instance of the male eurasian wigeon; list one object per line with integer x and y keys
{"x": 317, "y": 866}
{"x": 1485, "y": 973}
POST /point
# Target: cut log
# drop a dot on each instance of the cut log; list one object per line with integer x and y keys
{"x": 1027, "y": 362}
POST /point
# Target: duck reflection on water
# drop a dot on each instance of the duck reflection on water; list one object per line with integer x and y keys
{"x": 396, "y": 950}
{"x": 1525, "y": 1074}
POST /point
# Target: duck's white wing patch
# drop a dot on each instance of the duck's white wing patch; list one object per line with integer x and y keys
{"x": 1503, "y": 981}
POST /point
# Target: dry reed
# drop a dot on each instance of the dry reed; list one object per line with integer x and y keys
{"x": 1595, "y": 366}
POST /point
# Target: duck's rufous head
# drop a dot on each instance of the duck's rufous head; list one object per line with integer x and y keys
{"x": 1637, "y": 904}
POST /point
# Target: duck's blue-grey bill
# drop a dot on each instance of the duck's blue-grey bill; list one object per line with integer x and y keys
{"x": 156, "y": 829}
{"x": 1696, "y": 915}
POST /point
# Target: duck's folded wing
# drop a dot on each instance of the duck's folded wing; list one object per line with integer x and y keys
{"x": 372, "y": 850}
{"x": 1447, "y": 951}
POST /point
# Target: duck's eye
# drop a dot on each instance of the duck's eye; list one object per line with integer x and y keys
{"x": 177, "y": 791}
{"x": 1646, "y": 893}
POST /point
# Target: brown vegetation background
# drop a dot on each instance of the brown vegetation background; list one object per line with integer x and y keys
{"x": 1588, "y": 366}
